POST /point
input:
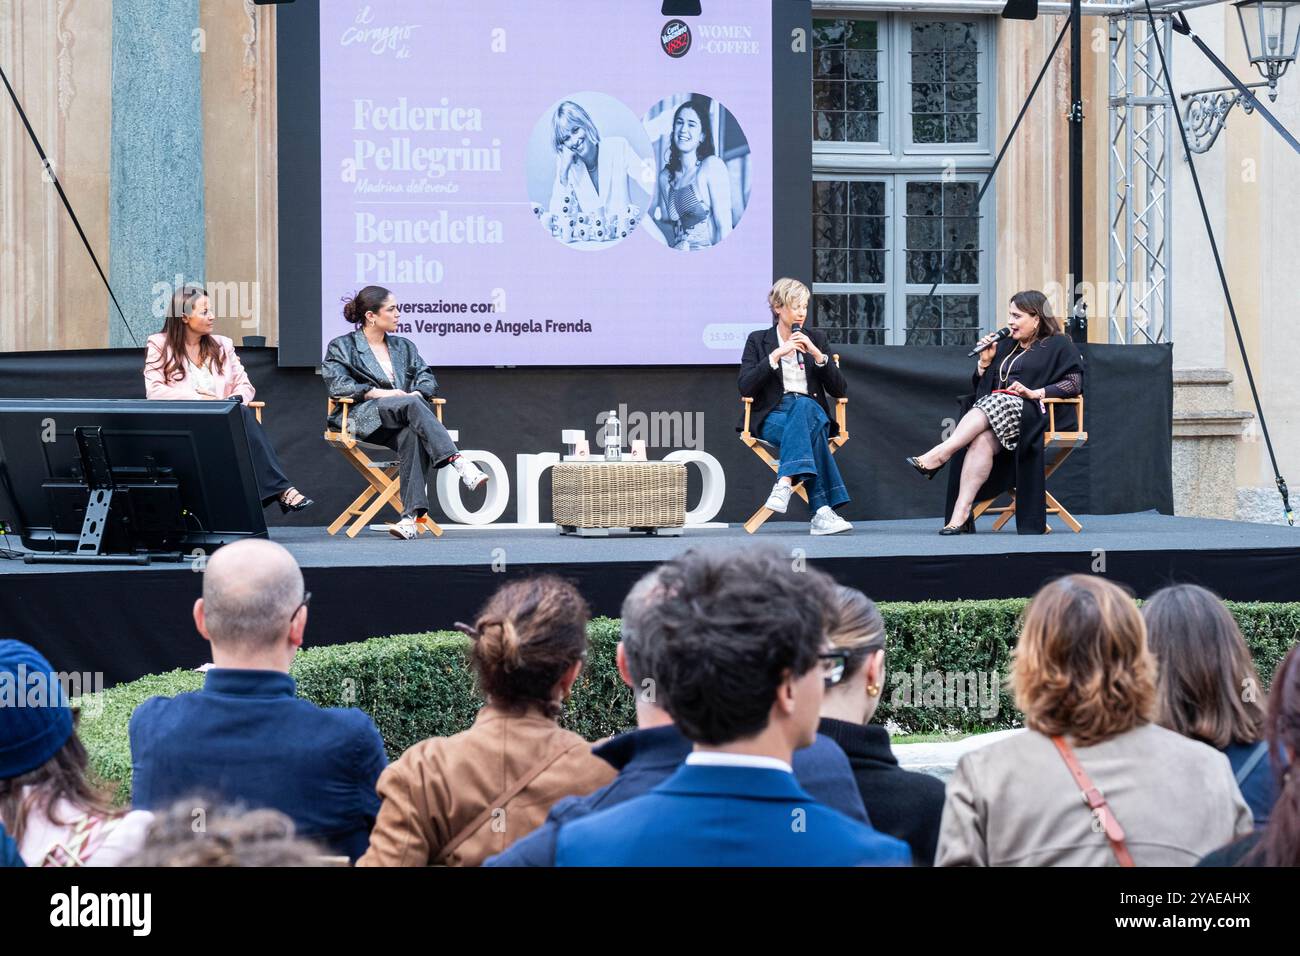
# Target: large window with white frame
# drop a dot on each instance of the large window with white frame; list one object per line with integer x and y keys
{"x": 902, "y": 137}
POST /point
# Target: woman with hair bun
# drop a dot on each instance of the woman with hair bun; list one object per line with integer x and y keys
{"x": 901, "y": 803}
{"x": 458, "y": 800}
{"x": 392, "y": 387}
{"x": 186, "y": 360}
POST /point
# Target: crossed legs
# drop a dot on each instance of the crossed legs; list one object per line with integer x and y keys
{"x": 974, "y": 434}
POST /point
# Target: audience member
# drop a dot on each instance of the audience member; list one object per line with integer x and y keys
{"x": 50, "y": 805}
{"x": 1086, "y": 682}
{"x": 901, "y": 803}
{"x": 649, "y": 755}
{"x": 246, "y": 737}
{"x": 195, "y": 833}
{"x": 1278, "y": 842}
{"x": 458, "y": 800}
{"x": 1207, "y": 687}
{"x": 738, "y": 647}
{"x": 9, "y": 855}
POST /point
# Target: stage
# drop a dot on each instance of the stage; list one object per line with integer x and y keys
{"x": 129, "y": 621}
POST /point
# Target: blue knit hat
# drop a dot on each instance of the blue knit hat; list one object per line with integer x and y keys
{"x": 35, "y": 719}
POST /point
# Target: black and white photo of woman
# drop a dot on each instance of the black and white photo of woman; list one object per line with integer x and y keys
{"x": 699, "y": 195}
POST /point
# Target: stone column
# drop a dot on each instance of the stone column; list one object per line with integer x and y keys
{"x": 1207, "y": 433}
{"x": 156, "y": 217}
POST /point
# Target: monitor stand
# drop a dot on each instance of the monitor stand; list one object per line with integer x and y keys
{"x": 100, "y": 488}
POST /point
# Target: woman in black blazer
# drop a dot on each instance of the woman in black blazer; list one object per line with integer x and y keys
{"x": 392, "y": 386}
{"x": 902, "y": 803}
{"x": 788, "y": 373}
{"x": 998, "y": 444}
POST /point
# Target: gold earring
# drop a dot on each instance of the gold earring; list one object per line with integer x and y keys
{"x": 872, "y": 690}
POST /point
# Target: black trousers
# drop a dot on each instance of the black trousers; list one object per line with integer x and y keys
{"x": 411, "y": 429}
{"x": 271, "y": 482}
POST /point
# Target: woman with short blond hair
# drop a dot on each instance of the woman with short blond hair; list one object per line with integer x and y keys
{"x": 788, "y": 372}
{"x": 1086, "y": 682}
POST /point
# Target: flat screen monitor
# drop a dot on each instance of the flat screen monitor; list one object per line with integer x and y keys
{"x": 182, "y": 473}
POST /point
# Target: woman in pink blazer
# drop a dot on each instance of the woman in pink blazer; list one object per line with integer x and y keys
{"x": 187, "y": 361}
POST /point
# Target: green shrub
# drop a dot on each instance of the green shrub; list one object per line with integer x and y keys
{"x": 420, "y": 685}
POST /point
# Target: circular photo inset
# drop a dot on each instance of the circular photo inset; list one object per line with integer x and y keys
{"x": 703, "y": 173}
{"x": 590, "y": 171}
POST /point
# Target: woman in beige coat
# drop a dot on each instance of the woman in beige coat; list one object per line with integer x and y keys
{"x": 1085, "y": 680}
{"x": 458, "y": 800}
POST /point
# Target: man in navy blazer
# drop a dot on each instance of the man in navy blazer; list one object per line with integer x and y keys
{"x": 246, "y": 737}
{"x": 649, "y": 755}
{"x": 739, "y": 659}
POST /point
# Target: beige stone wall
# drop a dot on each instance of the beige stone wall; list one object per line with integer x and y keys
{"x": 1033, "y": 199}
{"x": 238, "y": 75}
{"x": 59, "y": 55}
{"x": 1263, "y": 233}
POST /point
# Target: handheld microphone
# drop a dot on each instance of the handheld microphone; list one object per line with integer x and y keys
{"x": 1002, "y": 334}
{"x": 798, "y": 356}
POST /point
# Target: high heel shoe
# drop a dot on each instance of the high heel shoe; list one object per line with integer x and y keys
{"x": 303, "y": 504}
{"x": 966, "y": 527}
{"x": 928, "y": 472}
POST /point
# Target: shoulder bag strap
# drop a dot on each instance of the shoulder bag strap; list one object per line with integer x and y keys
{"x": 501, "y": 800}
{"x": 1256, "y": 755}
{"x": 1096, "y": 802}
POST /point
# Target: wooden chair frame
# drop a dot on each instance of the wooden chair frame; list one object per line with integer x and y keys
{"x": 382, "y": 482}
{"x": 1068, "y": 441}
{"x": 760, "y": 448}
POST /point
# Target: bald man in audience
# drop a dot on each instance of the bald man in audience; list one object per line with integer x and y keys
{"x": 247, "y": 737}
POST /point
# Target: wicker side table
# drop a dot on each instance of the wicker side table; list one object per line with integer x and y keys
{"x": 591, "y": 498}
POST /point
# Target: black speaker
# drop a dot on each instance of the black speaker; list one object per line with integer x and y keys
{"x": 680, "y": 8}
{"x": 1020, "y": 10}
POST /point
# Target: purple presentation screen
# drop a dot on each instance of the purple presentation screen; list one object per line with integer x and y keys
{"x": 576, "y": 183}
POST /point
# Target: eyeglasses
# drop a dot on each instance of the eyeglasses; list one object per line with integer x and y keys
{"x": 833, "y": 664}
{"x": 306, "y": 599}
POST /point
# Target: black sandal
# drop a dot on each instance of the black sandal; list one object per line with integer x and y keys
{"x": 302, "y": 505}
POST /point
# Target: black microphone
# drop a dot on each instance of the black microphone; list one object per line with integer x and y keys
{"x": 1002, "y": 334}
{"x": 798, "y": 356}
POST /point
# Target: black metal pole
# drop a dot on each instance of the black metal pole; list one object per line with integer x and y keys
{"x": 1078, "y": 325}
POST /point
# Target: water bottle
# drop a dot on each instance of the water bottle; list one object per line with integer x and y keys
{"x": 613, "y": 437}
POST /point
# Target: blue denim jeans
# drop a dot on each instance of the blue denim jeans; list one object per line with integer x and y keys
{"x": 801, "y": 430}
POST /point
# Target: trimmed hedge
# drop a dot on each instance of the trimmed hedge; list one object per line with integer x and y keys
{"x": 420, "y": 685}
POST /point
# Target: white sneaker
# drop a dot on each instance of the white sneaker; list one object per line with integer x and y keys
{"x": 471, "y": 476}
{"x": 406, "y": 528}
{"x": 826, "y": 521}
{"x": 779, "y": 499}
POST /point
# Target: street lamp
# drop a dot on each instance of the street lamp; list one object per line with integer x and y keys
{"x": 1271, "y": 29}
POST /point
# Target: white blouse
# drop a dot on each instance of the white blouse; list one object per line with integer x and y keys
{"x": 201, "y": 376}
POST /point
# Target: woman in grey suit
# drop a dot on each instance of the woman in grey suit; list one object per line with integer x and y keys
{"x": 392, "y": 387}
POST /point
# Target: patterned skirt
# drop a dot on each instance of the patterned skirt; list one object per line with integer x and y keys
{"x": 1003, "y": 412}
